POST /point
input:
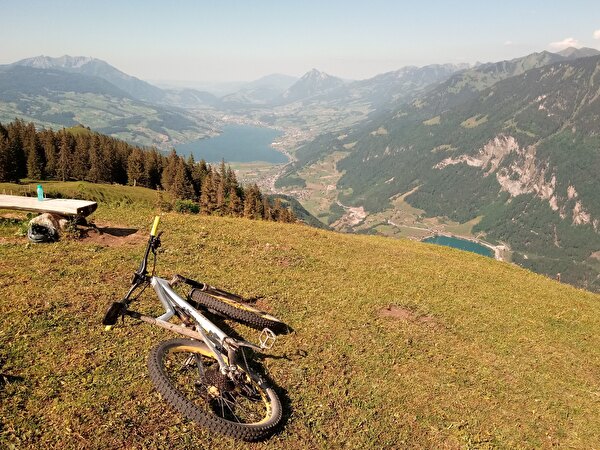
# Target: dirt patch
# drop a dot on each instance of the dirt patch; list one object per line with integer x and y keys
{"x": 112, "y": 236}
{"x": 13, "y": 216}
{"x": 12, "y": 240}
{"x": 406, "y": 315}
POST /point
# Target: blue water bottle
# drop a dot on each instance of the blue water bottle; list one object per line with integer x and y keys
{"x": 40, "y": 192}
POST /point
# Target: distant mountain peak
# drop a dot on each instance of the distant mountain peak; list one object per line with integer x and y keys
{"x": 313, "y": 82}
{"x": 573, "y": 52}
{"x": 65, "y": 62}
{"x": 316, "y": 74}
{"x": 87, "y": 65}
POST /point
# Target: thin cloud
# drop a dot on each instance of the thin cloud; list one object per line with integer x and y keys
{"x": 565, "y": 43}
{"x": 597, "y": 34}
{"x": 511, "y": 42}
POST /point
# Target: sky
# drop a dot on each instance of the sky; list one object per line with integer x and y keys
{"x": 224, "y": 40}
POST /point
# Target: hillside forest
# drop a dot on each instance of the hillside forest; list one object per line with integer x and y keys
{"x": 82, "y": 155}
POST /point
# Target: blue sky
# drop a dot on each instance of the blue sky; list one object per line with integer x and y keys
{"x": 243, "y": 40}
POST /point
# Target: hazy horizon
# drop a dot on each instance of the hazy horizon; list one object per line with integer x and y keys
{"x": 231, "y": 41}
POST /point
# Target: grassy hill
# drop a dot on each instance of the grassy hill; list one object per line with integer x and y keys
{"x": 521, "y": 155}
{"x": 397, "y": 344}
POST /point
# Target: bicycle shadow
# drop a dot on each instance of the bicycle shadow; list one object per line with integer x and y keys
{"x": 9, "y": 379}
{"x": 117, "y": 232}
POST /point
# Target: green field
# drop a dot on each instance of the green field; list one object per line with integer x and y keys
{"x": 396, "y": 344}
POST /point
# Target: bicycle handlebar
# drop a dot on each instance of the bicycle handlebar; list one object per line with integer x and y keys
{"x": 155, "y": 226}
{"x": 153, "y": 244}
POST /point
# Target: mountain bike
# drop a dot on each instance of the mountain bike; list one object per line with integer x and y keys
{"x": 206, "y": 376}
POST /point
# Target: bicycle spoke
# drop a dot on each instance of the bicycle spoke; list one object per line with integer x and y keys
{"x": 241, "y": 405}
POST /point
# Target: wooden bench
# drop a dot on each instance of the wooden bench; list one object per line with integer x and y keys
{"x": 61, "y": 206}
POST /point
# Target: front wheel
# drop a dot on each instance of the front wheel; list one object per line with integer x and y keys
{"x": 187, "y": 375}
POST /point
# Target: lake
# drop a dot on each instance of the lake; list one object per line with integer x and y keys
{"x": 461, "y": 244}
{"x": 237, "y": 143}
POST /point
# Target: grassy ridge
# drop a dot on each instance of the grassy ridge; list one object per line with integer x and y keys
{"x": 492, "y": 355}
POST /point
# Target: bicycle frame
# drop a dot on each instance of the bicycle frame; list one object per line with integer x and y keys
{"x": 223, "y": 347}
{"x": 211, "y": 334}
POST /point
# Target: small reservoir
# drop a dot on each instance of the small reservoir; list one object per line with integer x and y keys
{"x": 237, "y": 143}
{"x": 461, "y": 244}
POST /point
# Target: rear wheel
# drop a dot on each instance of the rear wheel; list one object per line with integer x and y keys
{"x": 239, "y": 311}
{"x": 187, "y": 375}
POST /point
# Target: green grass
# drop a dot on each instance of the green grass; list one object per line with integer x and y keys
{"x": 107, "y": 194}
{"x": 504, "y": 359}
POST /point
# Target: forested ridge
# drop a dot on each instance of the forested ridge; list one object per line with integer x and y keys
{"x": 80, "y": 154}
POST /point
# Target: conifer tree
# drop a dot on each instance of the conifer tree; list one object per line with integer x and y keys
{"x": 235, "y": 206}
{"x": 191, "y": 165}
{"x": 48, "y": 143}
{"x": 121, "y": 151}
{"x": 16, "y": 132}
{"x": 108, "y": 160}
{"x": 18, "y": 161}
{"x": 208, "y": 197}
{"x": 152, "y": 168}
{"x": 198, "y": 173}
{"x": 168, "y": 173}
{"x": 135, "y": 168}
{"x": 8, "y": 167}
{"x": 220, "y": 194}
{"x": 182, "y": 184}
{"x": 81, "y": 157}
{"x": 253, "y": 206}
{"x": 33, "y": 152}
{"x": 267, "y": 214}
{"x": 96, "y": 160}
{"x": 64, "y": 156}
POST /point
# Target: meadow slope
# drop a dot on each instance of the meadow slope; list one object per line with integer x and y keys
{"x": 396, "y": 344}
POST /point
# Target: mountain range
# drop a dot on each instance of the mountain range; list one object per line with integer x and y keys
{"x": 506, "y": 151}
{"x": 510, "y": 147}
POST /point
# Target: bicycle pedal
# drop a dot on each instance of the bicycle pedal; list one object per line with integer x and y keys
{"x": 267, "y": 339}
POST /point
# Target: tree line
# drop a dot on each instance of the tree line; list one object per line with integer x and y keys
{"x": 80, "y": 154}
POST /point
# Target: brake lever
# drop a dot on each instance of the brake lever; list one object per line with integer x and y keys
{"x": 156, "y": 242}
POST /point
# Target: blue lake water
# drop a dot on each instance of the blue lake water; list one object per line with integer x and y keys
{"x": 461, "y": 244}
{"x": 237, "y": 143}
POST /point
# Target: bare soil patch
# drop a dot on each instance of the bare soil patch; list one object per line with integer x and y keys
{"x": 112, "y": 236}
{"x": 406, "y": 315}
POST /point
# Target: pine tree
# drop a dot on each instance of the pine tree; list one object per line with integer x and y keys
{"x": 135, "y": 168}
{"x": 182, "y": 184}
{"x": 108, "y": 160}
{"x": 152, "y": 168}
{"x": 81, "y": 158}
{"x": 235, "y": 206}
{"x": 168, "y": 173}
{"x": 8, "y": 168}
{"x": 64, "y": 156}
{"x": 121, "y": 151}
{"x": 208, "y": 197}
{"x": 253, "y": 205}
{"x": 267, "y": 213}
{"x": 33, "y": 152}
{"x": 48, "y": 143}
{"x": 220, "y": 193}
{"x": 199, "y": 172}
{"x": 16, "y": 133}
{"x": 96, "y": 160}
{"x": 18, "y": 163}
